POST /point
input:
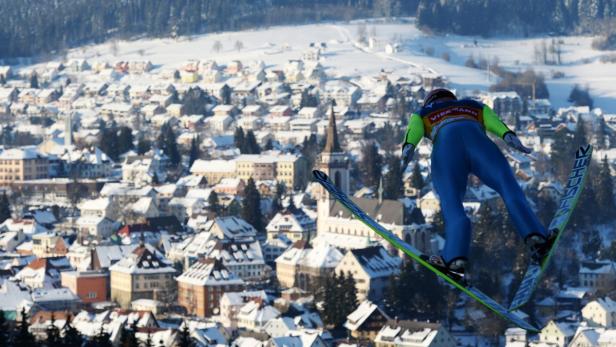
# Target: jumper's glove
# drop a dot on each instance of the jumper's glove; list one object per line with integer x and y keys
{"x": 513, "y": 141}
{"x": 407, "y": 155}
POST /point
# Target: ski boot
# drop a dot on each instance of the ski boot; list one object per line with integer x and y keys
{"x": 454, "y": 270}
{"x": 540, "y": 246}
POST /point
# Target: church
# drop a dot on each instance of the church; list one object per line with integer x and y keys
{"x": 337, "y": 227}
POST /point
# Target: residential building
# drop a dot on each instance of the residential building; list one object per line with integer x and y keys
{"x": 304, "y": 267}
{"x": 203, "y": 284}
{"x": 597, "y": 275}
{"x": 90, "y": 285}
{"x": 600, "y": 312}
{"x": 557, "y": 333}
{"x": 46, "y": 245}
{"x": 142, "y": 275}
{"x": 366, "y": 321}
{"x": 232, "y": 302}
{"x": 372, "y": 268}
{"x": 22, "y": 164}
{"x": 293, "y": 223}
{"x": 414, "y": 334}
{"x": 255, "y": 314}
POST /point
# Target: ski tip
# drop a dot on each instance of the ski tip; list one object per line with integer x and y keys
{"x": 584, "y": 150}
{"x": 320, "y": 175}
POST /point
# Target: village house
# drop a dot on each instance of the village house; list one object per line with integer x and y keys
{"x": 600, "y": 312}
{"x": 372, "y": 268}
{"x": 304, "y": 267}
{"x": 22, "y": 164}
{"x": 414, "y": 333}
{"x": 366, "y": 321}
{"x": 203, "y": 284}
{"x": 142, "y": 275}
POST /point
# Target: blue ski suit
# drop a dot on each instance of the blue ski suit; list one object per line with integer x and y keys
{"x": 461, "y": 146}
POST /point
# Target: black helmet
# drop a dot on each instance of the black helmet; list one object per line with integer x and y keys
{"x": 437, "y": 94}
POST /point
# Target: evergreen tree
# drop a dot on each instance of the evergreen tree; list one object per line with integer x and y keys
{"x": 109, "y": 142}
{"x": 4, "y": 331}
{"x": 329, "y": 304}
{"x": 591, "y": 244}
{"x": 125, "y": 139}
{"x": 195, "y": 151}
{"x": 102, "y": 338}
{"x": 184, "y": 339}
{"x": 579, "y": 137}
{"x": 562, "y": 154}
{"x": 370, "y": 165}
{"x": 349, "y": 290}
{"x": 269, "y": 145}
{"x": 392, "y": 184}
{"x": 239, "y": 138}
{"x": 417, "y": 180}
{"x": 416, "y": 216}
{"x": 143, "y": 145}
{"x": 214, "y": 204}
{"x": 2, "y": 80}
{"x": 71, "y": 336}
{"x": 5, "y": 208}
{"x": 605, "y": 192}
{"x": 34, "y": 81}
{"x": 167, "y": 142}
{"x": 53, "y": 334}
{"x": 251, "y": 206}
{"x": 23, "y": 336}
{"x": 250, "y": 145}
{"x": 128, "y": 337}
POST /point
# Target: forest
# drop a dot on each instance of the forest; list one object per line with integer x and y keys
{"x": 40, "y": 27}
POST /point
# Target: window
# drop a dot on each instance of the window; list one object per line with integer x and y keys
{"x": 92, "y": 295}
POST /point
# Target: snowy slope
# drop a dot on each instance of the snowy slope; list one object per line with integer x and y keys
{"x": 276, "y": 45}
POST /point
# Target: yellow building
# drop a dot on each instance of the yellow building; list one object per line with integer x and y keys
{"x": 142, "y": 275}
{"x": 285, "y": 168}
{"x": 21, "y": 164}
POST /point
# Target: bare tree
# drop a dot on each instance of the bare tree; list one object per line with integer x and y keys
{"x": 114, "y": 47}
{"x": 239, "y": 45}
{"x": 362, "y": 33}
{"x": 217, "y": 47}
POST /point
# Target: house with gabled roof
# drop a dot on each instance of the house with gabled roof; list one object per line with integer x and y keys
{"x": 371, "y": 267}
{"x": 366, "y": 321}
{"x": 557, "y": 333}
{"x": 600, "y": 312}
{"x": 143, "y": 274}
{"x": 414, "y": 334}
{"x": 202, "y": 285}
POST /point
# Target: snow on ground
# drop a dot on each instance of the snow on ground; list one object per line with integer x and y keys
{"x": 276, "y": 45}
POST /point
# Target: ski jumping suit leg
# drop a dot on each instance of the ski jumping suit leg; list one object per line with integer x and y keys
{"x": 462, "y": 148}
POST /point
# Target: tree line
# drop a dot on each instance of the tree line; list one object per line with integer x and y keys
{"x": 69, "y": 23}
{"x": 522, "y": 17}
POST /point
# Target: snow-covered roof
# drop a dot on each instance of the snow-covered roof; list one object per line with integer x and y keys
{"x": 356, "y": 318}
{"x": 22, "y": 153}
{"x": 221, "y": 166}
{"x": 209, "y": 272}
{"x": 376, "y": 261}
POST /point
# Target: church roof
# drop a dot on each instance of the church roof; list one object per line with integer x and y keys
{"x": 332, "y": 145}
{"x": 385, "y": 211}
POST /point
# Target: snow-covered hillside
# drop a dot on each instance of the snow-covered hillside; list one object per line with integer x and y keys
{"x": 276, "y": 45}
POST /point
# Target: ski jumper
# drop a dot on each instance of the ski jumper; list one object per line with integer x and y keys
{"x": 461, "y": 146}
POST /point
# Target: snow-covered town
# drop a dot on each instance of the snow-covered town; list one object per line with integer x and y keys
{"x": 159, "y": 192}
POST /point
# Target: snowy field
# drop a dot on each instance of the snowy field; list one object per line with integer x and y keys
{"x": 276, "y": 45}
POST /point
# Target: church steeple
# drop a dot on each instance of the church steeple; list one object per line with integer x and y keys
{"x": 332, "y": 145}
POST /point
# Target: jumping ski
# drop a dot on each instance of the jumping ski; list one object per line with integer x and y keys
{"x": 417, "y": 256}
{"x": 575, "y": 185}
